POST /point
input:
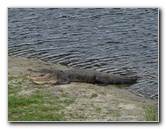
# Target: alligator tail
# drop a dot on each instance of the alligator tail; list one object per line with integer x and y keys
{"x": 115, "y": 80}
{"x": 124, "y": 80}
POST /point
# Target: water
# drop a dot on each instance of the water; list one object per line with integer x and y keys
{"x": 119, "y": 40}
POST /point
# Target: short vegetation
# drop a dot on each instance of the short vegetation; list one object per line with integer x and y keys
{"x": 151, "y": 113}
{"x": 37, "y": 106}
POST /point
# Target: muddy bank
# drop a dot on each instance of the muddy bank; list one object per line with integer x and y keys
{"x": 91, "y": 102}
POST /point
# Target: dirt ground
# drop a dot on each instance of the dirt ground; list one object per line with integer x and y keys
{"x": 92, "y": 102}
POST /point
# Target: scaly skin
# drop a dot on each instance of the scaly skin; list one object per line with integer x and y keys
{"x": 57, "y": 77}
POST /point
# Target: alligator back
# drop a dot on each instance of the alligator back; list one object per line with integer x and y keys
{"x": 81, "y": 75}
{"x": 91, "y": 76}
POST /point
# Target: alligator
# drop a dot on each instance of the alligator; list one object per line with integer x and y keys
{"x": 58, "y": 77}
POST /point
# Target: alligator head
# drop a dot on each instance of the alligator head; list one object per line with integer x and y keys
{"x": 43, "y": 76}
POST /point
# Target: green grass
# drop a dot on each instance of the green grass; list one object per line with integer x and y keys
{"x": 115, "y": 113}
{"x": 96, "y": 107}
{"x": 21, "y": 101}
{"x": 13, "y": 89}
{"x": 10, "y": 78}
{"x": 151, "y": 113}
{"x": 14, "y": 85}
{"x": 93, "y": 95}
{"x": 37, "y": 106}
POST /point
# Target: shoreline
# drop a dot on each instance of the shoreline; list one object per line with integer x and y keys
{"x": 88, "y": 102}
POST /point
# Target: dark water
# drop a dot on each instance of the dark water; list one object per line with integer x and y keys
{"x": 111, "y": 40}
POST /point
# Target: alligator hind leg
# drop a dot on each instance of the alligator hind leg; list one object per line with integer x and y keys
{"x": 101, "y": 81}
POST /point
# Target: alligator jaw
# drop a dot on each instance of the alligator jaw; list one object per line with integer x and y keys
{"x": 42, "y": 78}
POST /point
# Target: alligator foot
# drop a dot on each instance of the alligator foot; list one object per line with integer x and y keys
{"x": 102, "y": 84}
{"x": 60, "y": 83}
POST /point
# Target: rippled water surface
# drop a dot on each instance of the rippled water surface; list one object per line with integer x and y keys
{"x": 116, "y": 40}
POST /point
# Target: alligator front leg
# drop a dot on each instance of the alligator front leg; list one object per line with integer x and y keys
{"x": 61, "y": 83}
